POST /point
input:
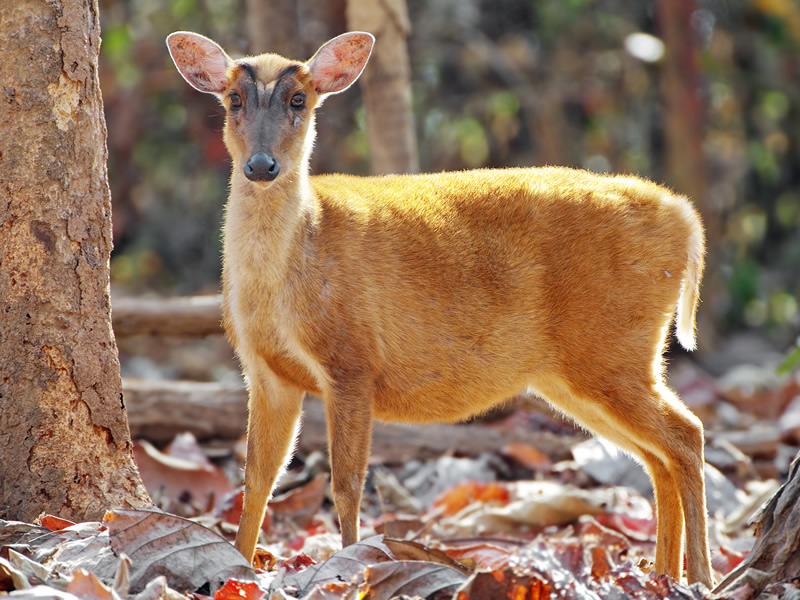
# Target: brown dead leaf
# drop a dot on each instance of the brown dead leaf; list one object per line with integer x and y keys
{"x": 229, "y": 509}
{"x": 301, "y": 504}
{"x": 727, "y": 559}
{"x": 399, "y": 526}
{"x": 482, "y": 554}
{"x": 162, "y": 544}
{"x": 407, "y": 550}
{"x": 180, "y": 481}
{"x": 505, "y": 583}
{"x": 264, "y": 560}
{"x": 389, "y": 580}
{"x": 344, "y": 567}
{"x": 87, "y": 586}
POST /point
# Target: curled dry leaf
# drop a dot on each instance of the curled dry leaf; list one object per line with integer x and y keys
{"x": 406, "y": 550}
{"x": 301, "y": 504}
{"x": 533, "y": 504}
{"x": 179, "y": 480}
{"x": 529, "y": 457}
{"x": 239, "y": 590}
{"x": 157, "y": 589}
{"x": 229, "y": 509}
{"x": 87, "y": 586}
{"x": 643, "y": 530}
{"x": 482, "y": 553}
{"x": 341, "y": 568}
{"x": 458, "y": 497}
{"x": 54, "y": 523}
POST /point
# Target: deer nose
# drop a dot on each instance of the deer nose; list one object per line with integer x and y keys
{"x": 261, "y": 167}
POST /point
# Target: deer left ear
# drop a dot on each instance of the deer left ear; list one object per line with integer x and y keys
{"x": 201, "y": 61}
{"x": 339, "y": 62}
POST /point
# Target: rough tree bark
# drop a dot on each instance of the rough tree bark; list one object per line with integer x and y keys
{"x": 64, "y": 438}
{"x": 386, "y": 85}
{"x": 775, "y": 557}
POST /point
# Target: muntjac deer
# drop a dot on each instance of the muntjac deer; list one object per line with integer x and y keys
{"x": 423, "y": 298}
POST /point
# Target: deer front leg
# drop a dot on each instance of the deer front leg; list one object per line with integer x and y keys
{"x": 274, "y": 413}
{"x": 349, "y": 417}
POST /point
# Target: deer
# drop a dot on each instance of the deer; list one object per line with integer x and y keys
{"x": 434, "y": 297}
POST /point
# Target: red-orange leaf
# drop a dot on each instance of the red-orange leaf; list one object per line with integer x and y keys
{"x": 239, "y": 590}
{"x": 54, "y": 523}
{"x": 458, "y": 497}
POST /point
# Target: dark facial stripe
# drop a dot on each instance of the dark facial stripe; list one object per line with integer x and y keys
{"x": 250, "y": 70}
{"x": 279, "y": 84}
{"x": 250, "y": 90}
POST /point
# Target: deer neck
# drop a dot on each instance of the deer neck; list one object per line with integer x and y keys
{"x": 264, "y": 225}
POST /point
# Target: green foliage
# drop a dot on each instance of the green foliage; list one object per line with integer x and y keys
{"x": 792, "y": 360}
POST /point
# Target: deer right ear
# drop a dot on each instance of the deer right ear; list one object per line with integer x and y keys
{"x": 201, "y": 61}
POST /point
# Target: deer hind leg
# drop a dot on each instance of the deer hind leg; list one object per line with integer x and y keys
{"x": 669, "y": 511}
{"x": 687, "y": 468}
{"x": 272, "y": 425}
{"x": 650, "y": 422}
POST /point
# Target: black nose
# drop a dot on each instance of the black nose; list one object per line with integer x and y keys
{"x": 262, "y": 167}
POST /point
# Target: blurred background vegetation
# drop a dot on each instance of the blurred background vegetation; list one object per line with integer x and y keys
{"x": 495, "y": 83}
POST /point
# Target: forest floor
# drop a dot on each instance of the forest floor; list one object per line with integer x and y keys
{"x": 574, "y": 520}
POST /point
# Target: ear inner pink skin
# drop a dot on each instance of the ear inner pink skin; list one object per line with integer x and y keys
{"x": 200, "y": 61}
{"x": 339, "y": 62}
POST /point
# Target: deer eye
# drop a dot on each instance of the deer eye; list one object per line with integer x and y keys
{"x": 236, "y": 100}
{"x": 298, "y": 101}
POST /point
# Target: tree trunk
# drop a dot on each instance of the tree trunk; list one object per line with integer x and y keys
{"x": 687, "y": 169}
{"x": 775, "y": 557}
{"x": 64, "y": 437}
{"x": 685, "y": 111}
{"x": 272, "y": 26}
{"x": 386, "y": 85}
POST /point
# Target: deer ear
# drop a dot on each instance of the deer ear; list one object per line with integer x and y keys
{"x": 201, "y": 62}
{"x": 339, "y": 62}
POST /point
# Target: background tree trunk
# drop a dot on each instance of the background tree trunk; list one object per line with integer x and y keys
{"x": 64, "y": 437}
{"x": 272, "y": 26}
{"x": 684, "y": 110}
{"x": 386, "y": 85}
{"x": 687, "y": 168}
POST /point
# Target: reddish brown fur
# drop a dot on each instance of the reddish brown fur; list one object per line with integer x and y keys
{"x": 434, "y": 297}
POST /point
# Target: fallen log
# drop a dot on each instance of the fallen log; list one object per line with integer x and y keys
{"x": 158, "y": 410}
{"x": 183, "y": 316}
